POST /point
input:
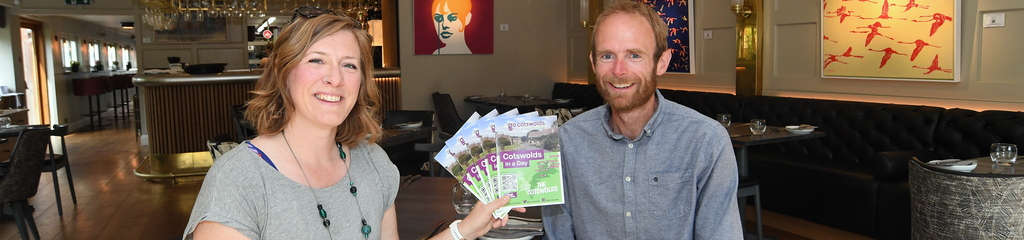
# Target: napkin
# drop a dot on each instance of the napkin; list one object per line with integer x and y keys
{"x": 951, "y": 162}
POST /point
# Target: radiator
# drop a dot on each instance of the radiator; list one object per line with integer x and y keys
{"x": 390, "y": 92}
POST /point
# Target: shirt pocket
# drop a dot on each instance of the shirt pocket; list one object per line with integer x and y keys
{"x": 667, "y": 193}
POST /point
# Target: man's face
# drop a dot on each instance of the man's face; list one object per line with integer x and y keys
{"x": 624, "y": 61}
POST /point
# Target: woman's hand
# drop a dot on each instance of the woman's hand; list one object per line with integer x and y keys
{"x": 480, "y": 219}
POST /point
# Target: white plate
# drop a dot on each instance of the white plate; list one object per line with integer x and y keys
{"x": 800, "y": 129}
{"x": 962, "y": 168}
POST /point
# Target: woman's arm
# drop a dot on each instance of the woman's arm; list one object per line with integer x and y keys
{"x": 479, "y": 221}
{"x": 215, "y": 230}
{"x": 389, "y": 225}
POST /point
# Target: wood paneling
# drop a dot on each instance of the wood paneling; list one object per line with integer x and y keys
{"x": 181, "y": 118}
{"x": 390, "y": 92}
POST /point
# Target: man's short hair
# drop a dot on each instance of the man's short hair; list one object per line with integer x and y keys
{"x": 631, "y": 7}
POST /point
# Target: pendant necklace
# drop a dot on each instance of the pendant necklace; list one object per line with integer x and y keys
{"x": 365, "y": 229}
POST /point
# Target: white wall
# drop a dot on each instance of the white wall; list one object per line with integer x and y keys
{"x": 526, "y": 60}
{"x": 991, "y": 67}
{"x": 9, "y": 36}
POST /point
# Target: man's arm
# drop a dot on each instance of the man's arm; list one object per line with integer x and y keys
{"x": 558, "y": 218}
{"x": 718, "y": 216}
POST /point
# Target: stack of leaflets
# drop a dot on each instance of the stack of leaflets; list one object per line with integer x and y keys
{"x": 507, "y": 154}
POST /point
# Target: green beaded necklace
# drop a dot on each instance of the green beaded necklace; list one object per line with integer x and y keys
{"x": 365, "y": 229}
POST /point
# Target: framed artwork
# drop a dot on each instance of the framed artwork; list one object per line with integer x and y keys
{"x": 443, "y": 27}
{"x": 676, "y": 13}
{"x": 912, "y": 40}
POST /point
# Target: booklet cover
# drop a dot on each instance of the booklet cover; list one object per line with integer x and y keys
{"x": 530, "y": 162}
{"x": 509, "y": 154}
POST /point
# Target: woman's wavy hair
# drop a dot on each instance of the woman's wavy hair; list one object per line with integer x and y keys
{"x": 269, "y": 110}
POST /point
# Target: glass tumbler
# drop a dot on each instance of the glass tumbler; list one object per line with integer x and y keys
{"x": 724, "y": 118}
{"x": 758, "y": 126}
{"x": 463, "y": 200}
{"x": 1003, "y": 154}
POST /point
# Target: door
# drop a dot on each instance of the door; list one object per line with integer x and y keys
{"x": 37, "y": 89}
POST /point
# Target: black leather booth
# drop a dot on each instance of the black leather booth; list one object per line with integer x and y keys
{"x": 855, "y": 178}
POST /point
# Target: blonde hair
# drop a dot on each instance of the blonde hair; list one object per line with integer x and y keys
{"x": 463, "y": 7}
{"x": 269, "y": 109}
{"x": 658, "y": 25}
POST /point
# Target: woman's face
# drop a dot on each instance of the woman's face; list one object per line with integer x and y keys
{"x": 325, "y": 84}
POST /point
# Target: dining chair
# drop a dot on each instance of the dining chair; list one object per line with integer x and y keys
{"x": 57, "y": 161}
{"x": 22, "y": 182}
{"x": 750, "y": 187}
{"x": 243, "y": 128}
{"x": 448, "y": 118}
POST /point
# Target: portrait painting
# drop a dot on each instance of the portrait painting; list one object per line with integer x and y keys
{"x": 445, "y": 27}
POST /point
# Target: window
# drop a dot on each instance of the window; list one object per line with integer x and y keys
{"x": 111, "y": 57}
{"x": 69, "y": 51}
{"x": 125, "y": 59}
{"x": 94, "y": 54}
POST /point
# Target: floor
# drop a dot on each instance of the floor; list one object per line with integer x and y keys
{"x": 115, "y": 204}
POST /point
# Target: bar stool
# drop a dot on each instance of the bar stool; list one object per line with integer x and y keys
{"x": 89, "y": 87}
{"x": 112, "y": 86}
{"x": 125, "y": 84}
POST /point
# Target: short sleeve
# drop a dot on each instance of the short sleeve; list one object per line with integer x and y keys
{"x": 389, "y": 176}
{"x": 229, "y": 196}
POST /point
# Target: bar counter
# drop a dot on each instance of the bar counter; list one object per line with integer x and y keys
{"x": 180, "y": 112}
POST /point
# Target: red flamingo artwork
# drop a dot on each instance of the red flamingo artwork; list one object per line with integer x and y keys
{"x": 888, "y": 54}
{"x": 682, "y": 51}
{"x": 918, "y": 45}
{"x": 831, "y": 59}
{"x": 849, "y": 53}
{"x": 934, "y": 66}
{"x": 937, "y": 20}
{"x": 825, "y": 37}
{"x": 672, "y": 31}
{"x": 842, "y": 13}
{"x": 670, "y": 20}
{"x": 910, "y": 5}
{"x": 885, "y": 12}
{"x": 874, "y": 32}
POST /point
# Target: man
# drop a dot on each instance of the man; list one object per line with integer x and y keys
{"x": 642, "y": 167}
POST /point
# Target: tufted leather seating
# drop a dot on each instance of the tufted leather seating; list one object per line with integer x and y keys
{"x": 855, "y": 178}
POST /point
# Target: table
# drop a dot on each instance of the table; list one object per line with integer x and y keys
{"x": 982, "y": 204}
{"x": 743, "y": 138}
{"x": 503, "y": 104}
{"x": 399, "y": 136}
{"x": 424, "y": 206}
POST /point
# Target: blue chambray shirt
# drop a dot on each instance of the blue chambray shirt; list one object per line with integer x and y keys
{"x": 677, "y": 180}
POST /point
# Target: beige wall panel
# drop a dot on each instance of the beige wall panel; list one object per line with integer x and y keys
{"x": 1010, "y": 49}
{"x": 527, "y": 59}
{"x": 790, "y": 58}
{"x": 158, "y": 58}
{"x": 235, "y": 58}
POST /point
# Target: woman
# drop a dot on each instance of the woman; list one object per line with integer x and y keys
{"x": 314, "y": 171}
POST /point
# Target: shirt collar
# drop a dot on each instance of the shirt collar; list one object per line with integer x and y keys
{"x": 648, "y": 128}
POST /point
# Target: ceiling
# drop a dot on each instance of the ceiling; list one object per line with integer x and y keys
{"x": 110, "y": 21}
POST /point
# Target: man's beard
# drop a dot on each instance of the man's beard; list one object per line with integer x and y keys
{"x": 620, "y": 102}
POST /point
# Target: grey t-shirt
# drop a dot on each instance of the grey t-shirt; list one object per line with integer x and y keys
{"x": 244, "y": 192}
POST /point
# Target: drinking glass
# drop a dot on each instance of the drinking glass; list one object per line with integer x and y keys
{"x": 5, "y": 121}
{"x": 758, "y": 126}
{"x": 462, "y": 199}
{"x": 724, "y": 118}
{"x": 1003, "y": 154}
